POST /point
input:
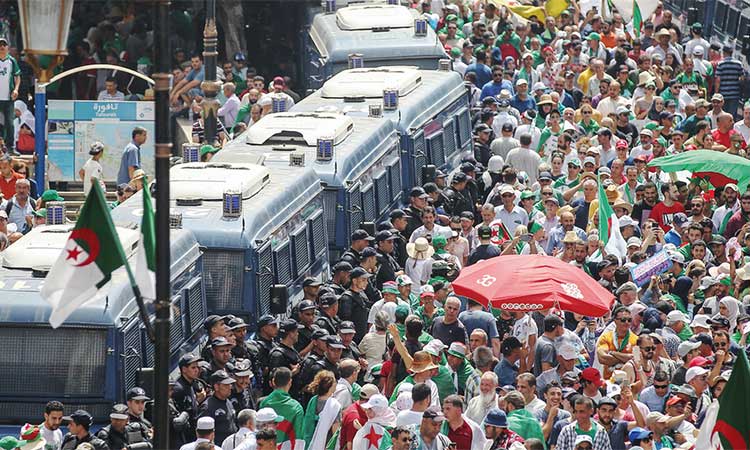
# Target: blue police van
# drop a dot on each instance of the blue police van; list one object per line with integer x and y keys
{"x": 257, "y": 227}
{"x": 430, "y": 109}
{"x": 97, "y": 354}
{"x": 373, "y": 34}
{"x": 357, "y": 160}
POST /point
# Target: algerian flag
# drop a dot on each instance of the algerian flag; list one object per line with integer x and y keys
{"x": 609, "y": 228}
{"x": 91, "y": 254}
{"x": 726, "y": 424}
{"x": 633, "y": 12}
{"x": 145, "y": 268}
{"x": 372, "y": 436}
{"x": 637, "y": 19}
{"x": 289, "y": 431}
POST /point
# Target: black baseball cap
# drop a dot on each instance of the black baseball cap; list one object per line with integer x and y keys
{"x": 189, "y": 358}
{"x": 306, "y": 305}
{"x": 335, "y": 342}
{"x": 220, "y": 341}
{"x": 311, "y": 282}
{"x": 347, "y": 327}
{"x": 397, "y": 214}
{"x": 267, "y": 319}
{"x": 418, "y": 191}
{"x": 507, "y": 126}
{"x": 136, "y": 393}
{"x": 211, "y": 321}
{"x": 328, "y": 300}
{"x": 359, "y": 272}
{"x": 433, "y": 414}
{"x": 484, "y": 232}
{"x": 342, "y": 266}
{"x": 80, "y": 417}
{"x": 288, "y": 325}
{"x": 384, "y": 235}
{"x": 368, "y": 252}
{"x": 459, "y": 177}
{"x": 236, "y": 323}
{"x": 360, "y": 235}
{"x": 221, "y": 377}
{"x": 319, "y": 333}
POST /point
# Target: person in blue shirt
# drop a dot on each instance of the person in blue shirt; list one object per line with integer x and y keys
{"x": 480, "y": 69}
{"x": 493, "y": 88}
{"x": 131, "y": 156}
{"x": 507, "y": 369}
{"x": 522, "y": 101}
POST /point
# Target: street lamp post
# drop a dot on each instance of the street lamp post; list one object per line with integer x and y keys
{"x": 163, "y": 151}
{"x": 44, "y": 27}
{"x": 209, "y": 86}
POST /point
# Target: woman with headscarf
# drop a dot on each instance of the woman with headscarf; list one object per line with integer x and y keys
{"x": 681, "y": 291}
{"x": 23, "y": 124}
{"x": 323, "y": 413}
{"x": 376, "y": 432}
{"x": 729, "y": 307}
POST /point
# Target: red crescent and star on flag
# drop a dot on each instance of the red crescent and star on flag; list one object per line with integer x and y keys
{"x": 373, "y": 438}
{"x": 87, "y": 237}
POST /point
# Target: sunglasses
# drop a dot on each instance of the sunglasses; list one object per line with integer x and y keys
{"x": 721, "y": 344}
{"x": 625, "y": 319}
{"x": 648, "y": 349}
{"x": 661, "y": 386}
{"x": 717, "y": 328}
{"x": 584, "y": 447}
{"x": 587, "y": 112}
{"x": 546, "y": 193}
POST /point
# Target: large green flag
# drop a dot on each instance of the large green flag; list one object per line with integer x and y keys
{"x": 145, "y": 268}
{"x": 726, "y": 424}
{"x": 291, "y": 429}
{"x": 92, "y": 252}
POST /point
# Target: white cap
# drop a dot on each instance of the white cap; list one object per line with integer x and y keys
{"x": 613, "y": 389}
{"x": 539, "y": 86}
{"x": 694, "y": 372}
{"x": 686, "y": 347}
{"x": 698, "y": 50}
{"x": 507, "y": 189}
{"x": 205, "y": 424}
{"x": 700, "y": 320}
{"x": 677, "y": 316}
{"x": 626, "y": 221}
{"x": 376, "y": 401}
{"x": 634, "y": 241}
{"x": 567, "y": 352}
{"x": 266, "y": 415}
{"x": 637, "y": 308}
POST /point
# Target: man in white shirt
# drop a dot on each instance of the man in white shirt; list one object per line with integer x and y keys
{"x": 266, "y": 101}
{"x": 509, "y": 214}
{"x": 92, "y": 169}
{"x": 743, "y": 126}
{"x": 646, "y": 148}
{"x": 246, "y": 420}
{"x": 204, "y": 432}
{"x": 53, "y": 416}
{"x": 110, "y": 91}
{"x": 228, "y": 112}
{"x": 429, "y": 226}
{"x": 421, "y": 395}
{"x": 609, "y": 105}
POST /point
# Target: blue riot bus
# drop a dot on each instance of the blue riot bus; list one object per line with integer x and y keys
{"x": 97, "y": 354}
{"x": 357, "y": 160}
{"x": 382, "y": 34}
{"x": 430, "y": 109}
{"x": 256, "y": 227}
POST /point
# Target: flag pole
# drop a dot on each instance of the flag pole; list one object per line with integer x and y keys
{"x": 163, "y": 152}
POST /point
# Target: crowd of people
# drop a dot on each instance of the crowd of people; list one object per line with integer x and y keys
{"x": 384, "y": 355}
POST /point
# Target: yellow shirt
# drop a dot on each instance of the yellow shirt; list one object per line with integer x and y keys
{"x": 608, "y": 342}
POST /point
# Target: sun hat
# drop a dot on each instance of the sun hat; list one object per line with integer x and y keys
{"x": 420, "y": 249}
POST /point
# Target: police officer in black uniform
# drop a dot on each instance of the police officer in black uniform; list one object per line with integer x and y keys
{"x": 221, "y": 357}
{"x": 115, "y": 434}
{"x": 79, "y": 424}
{"x": 340, "y": 278}
{"x": 238, "y": 328}
{"x": 310, "y": 288}
{"x": 355, "y": 305}
{"x": 346, "y": 333}
{"x": 306, "y": 316}
{"x": 417, "y": 201}
{"x": 284, "y": 354}
{"x": 328, "y": 319}
{"x": 218, "y": 406}
{"x": 360, "y": 240}
{"x": 370, "y": 264}
{"x": 399, "y": 224}
{"x": 304, "y": 375}
{"x": 180, "y": 428}
{"x": 136, "y": 400}
{"x": 473, "y": 187}
{"x": 268, "y": 328}
{"x": 242, "y": 397}
{"x": 458, "y": 197}
{"x": 189, "y": 390}
{"x": 215, "y": 327}
{"x": 329, "y": 361}
{"x": 387, "y": 264}
{"x": 482, "y": 140}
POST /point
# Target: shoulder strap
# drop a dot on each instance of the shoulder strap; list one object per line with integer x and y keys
{"x": 9, "y": 206}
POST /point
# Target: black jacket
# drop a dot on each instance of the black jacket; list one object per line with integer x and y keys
{"x": 114, "y": 439}
{"x": 70, "y": 442}
{"x": 355, "y": 306}
{"x": 223, "y": 414}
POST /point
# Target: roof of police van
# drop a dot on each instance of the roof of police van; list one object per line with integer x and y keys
{"x": 19, "y": 289}
{"x": 286, "y": 190}
{"x": 435, "y": 90}
{"x": 376, "y": 31}
{"x": 357, "y": 149}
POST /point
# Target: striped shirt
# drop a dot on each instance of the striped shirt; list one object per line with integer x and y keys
{"x": 729, "y": 72}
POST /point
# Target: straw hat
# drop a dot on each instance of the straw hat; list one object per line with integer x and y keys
{"x": 612, "y": 193}
{"x": 545, "y": 99}
{"x": 422, "y": 362}
{"x": 621, "y": 203}
{"x": 420, "y": 249}
{"x": 743, "y": 273}
{"x": 570, "y": 237}
{"x": 722, "y": 269}
{"x": 645, "y": 78}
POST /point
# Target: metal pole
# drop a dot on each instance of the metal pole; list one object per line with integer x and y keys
{"x": 209, "y": 86}
{"x": 163, "y": 151}
{"x": 40, "y": 134}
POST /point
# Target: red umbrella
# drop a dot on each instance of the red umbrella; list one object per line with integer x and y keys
{"x": 532, "y": 282}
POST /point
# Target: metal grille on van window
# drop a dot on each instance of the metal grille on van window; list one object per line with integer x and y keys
{"x": 420, "y": 157}
{"x": 301, "y": 251}
{"x": 28, "y": 411}
{"x": 394, "y": 178}
{"x": 330, "y": 208}
{"x": 222, "y": 276}
{"x": 40, "y": 361}
{"x": 318, "y": 234}
{"x": 176, "y": 333}
{"x": 381, "y": 192}
{"x": 437, "y": 153}
{"x": 264, "y": 279}
{"x": 282, "y": 259}
{"x": 133, "y": 354}
{"x": 449, "y": 140}
{"x": 356, "y": 213}
{"x": 464, "y": 127}
{"x": 196, "y": 312}
{"x": 368, "y": 203}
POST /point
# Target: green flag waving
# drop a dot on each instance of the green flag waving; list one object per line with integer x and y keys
{"x": 291, "y": 429}
{"x": 90, "y": 255}
{"x": 729, "y": 427}
{"x": 145, "y": 269}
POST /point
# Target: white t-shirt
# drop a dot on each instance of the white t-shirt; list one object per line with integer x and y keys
{"x": 92, "y": 169}
{"x": 523, "y": 328}
{"x": 54, "y": 438}
{"x": 6, "y": 76}
{"x": 409, "y": 417}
